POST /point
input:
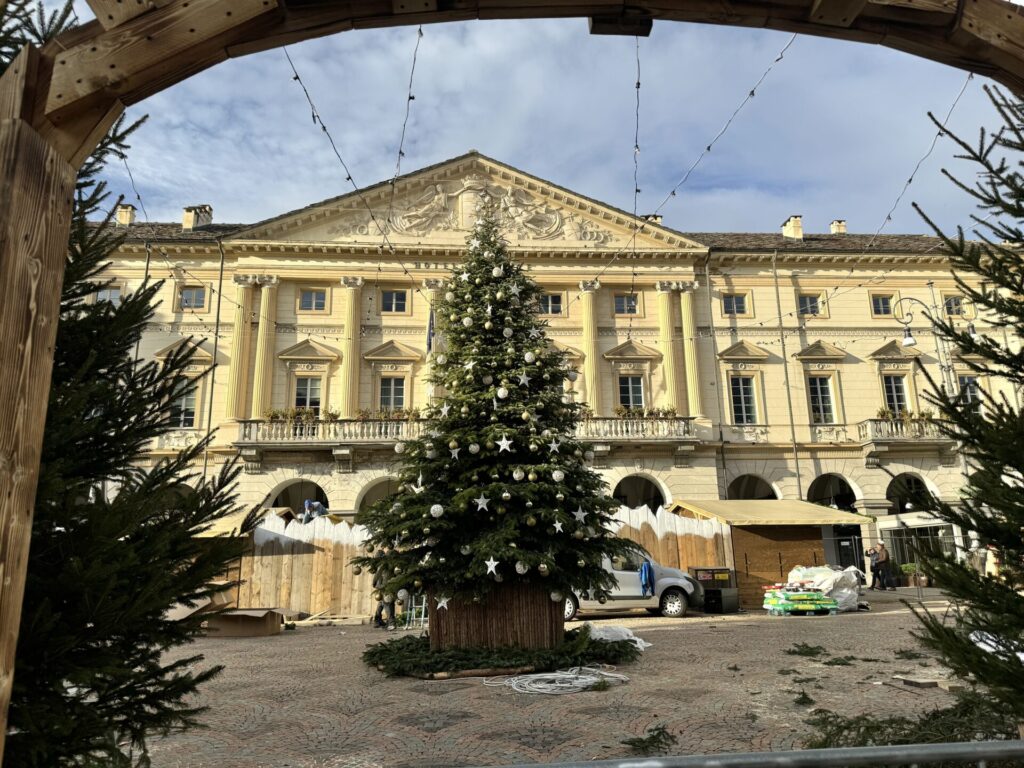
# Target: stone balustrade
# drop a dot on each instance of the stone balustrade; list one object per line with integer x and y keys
{"x": 882, "y": 430}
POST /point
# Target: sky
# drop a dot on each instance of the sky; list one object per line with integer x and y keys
{"x": 834, "y": 131}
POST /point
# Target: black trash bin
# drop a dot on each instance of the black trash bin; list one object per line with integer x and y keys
{"x": 725, "y": 600}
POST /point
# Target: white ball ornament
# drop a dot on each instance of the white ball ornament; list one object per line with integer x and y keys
{"x": 521, "y": 567}
{"x": 465, "y": 549}
{"x": 507, "y": 333}
{"x": 518, "y": 474}
{"x": 543, "y": 569}
{"x": 558, "y": 475}
{"x": 572, "y": 375}
{"x": 529, "y": 357}
{"x": 467, "y": 321}
{"x": 502, "y": 393}
{"x": 488, "y": 325}
{"x": 474, "y": 448}
{"x": 497, "y": 272}
{"x": 436, "y": 511}
{"x": 399, "y": 447}
{"x": 499, "y": 295}
{"x": 441, "y": 359}
{"x": 487, "y": 379}
{"x": 403, "y": 594}
{"x": 431, "y": 454}
{"x": 449, "y": 296}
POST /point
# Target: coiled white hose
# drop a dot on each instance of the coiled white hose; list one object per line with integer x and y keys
{"x": 574, "y": 680}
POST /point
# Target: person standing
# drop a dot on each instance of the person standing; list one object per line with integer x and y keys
{"x": 872, "y": 554}
{"x": 885, "y": 567}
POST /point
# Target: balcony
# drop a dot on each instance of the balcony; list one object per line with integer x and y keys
{"x": 383, "y": 431}
{"x": 882, "y": 438}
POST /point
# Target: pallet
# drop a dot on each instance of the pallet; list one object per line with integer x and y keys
{"x": 802, "y": 612}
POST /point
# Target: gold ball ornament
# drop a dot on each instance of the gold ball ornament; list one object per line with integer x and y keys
{"x": 581, "y": 563}
{"x": 526, "y": 415}
{"x": 356, "y": 570}
{"x": 531, "y": 521}
{"x": 418, "y": 583}
{"x": 532, "y": 477}
{"x": 577, "y": 534}
{"x": 453, "y": 444}
{"x": 543, "y": 569}
{"x": 488, "y": 325}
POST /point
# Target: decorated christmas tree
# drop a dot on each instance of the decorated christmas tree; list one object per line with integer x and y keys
{"x": 498, "y": 516}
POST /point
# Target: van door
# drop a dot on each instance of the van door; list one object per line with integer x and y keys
{"x": 626, "y": 570}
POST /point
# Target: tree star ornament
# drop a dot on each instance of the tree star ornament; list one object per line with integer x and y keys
{"x": 481, "y": 503}
{"x": 524, "y": 378}
{"x": 455, "y": 452}
{"x": 515, "y": 289}
{"x": 469, "y": 366}
{"x": 464, "y": 277}
{"x": 580, "y": 515}
{"x": 554, "y": 445}
{"x": 442, "y": 602}
{"x": 504, "y": 444}
{"x": 492, "y": 566}
{"x": 558, "y": 526}
{"x": 444, "y": 410}
{"x": 535, "y": 333}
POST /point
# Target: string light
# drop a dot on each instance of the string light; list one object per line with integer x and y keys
{"x": 632, "y": 305}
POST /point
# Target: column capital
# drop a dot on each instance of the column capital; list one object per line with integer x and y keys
{"x": 267, "y": 281}
{"x": 433, "y": 283}
{"x": 666, "y": 286}
{"x": 244, "y": 280}
{"x": 352, "y": 282}
{"x": 589, "y": 286}
{"x": 687, "y": 286}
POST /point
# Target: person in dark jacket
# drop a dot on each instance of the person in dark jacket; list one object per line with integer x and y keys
{"x": 380, "y": 578}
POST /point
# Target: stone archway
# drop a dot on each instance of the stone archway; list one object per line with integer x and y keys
{"x": 750, "y": 487}
{"x": 832, "y": 490}
{"x": 638, "y": 490}
{"x": 295, "y": 493}
{"x": 375, "y": 491}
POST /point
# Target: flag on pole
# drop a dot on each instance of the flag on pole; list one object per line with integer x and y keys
{"x": 430, "y": 331}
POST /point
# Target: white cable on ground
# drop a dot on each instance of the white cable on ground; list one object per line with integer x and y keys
{"x": 575, "y": 680}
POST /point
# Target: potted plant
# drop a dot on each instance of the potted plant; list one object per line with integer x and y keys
{"x": 330, "y": 415}
{"x": 912, "y": 577}
{"x": 885, "y": 413}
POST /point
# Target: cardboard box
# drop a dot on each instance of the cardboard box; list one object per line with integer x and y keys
{"x": 252, "y": 622}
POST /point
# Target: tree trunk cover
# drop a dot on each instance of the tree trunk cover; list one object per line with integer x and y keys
{"x": 513, "y": 615}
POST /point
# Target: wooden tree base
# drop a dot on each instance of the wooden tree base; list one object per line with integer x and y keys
{"x": 513, "y": 616}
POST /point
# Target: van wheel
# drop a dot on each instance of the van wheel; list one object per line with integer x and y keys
{"x": 673, "y": 603}
{"x": 571, "y": 606}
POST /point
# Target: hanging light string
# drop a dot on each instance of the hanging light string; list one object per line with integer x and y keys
{"x": 838, "y": 290}
{"x": 728, "y": 123}
{"x": 631, "y": 298}
{"x": 640, "y": 226}
{"x": 382, "y": 227}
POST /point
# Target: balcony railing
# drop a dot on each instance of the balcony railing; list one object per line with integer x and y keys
{"x": 882, "y": 430}
{"x": 385, "y": 430}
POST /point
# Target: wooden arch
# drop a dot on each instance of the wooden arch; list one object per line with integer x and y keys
{"x": 56, "y": 104}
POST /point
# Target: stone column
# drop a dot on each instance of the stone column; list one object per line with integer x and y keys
{"x": 238, "y": 373}
{"x": 350, "y": 358}
{"x": 263, "y": 377}
{"x": 689, "y": 323}
{"x": 591, "y": 360}
{"x": 669, "y": 345}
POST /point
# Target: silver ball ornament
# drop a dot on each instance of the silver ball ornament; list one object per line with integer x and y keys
{"x": 467, "y": 321}
{"x": 502, "y": 393}
{"x": 436, "y": 510}
{"x": 521, "y": 567}
{"x": 558, "y": 475}
{"x": 543, "y": 569}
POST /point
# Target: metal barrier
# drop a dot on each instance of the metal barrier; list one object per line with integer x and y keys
{"x": 978, "y": 753}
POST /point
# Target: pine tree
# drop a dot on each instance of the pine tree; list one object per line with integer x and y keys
{"x": 987, "y": 611}
{"x": 498, "y": 515}
{"x": 114, "y": 544}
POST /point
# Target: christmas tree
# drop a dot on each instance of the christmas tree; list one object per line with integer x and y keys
{"x": 114, "y": 544}
{"x": 985, "y": 639}
{"x": 498, "y": 516}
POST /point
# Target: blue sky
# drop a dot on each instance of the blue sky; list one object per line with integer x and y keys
{"x": 833, "y": 132}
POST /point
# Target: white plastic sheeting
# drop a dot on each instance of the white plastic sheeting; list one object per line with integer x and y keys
{"x": 611, "y": 634}
{"x": 842, "y": 586}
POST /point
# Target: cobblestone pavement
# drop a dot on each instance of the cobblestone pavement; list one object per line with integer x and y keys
{"x": 304, "y": 699}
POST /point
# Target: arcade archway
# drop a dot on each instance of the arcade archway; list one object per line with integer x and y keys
{"x": 750, "y": 487}
{"x": 636, "y": 491}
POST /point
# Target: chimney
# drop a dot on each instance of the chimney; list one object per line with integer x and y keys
{"x": 125, "y": 215}
{"x": 838, "y": 227}
{"x": 654, "y": 218}
{"x": 196, "y": 216}
{"x": 793, "y": 227}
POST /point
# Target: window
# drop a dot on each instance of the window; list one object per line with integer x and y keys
{"x": 734, "y": 304}
{"x": 820, "y": 391}
{"x": 392, "y": 393}
{"x": 183, "y": 411}
{"x": 312, "y": 300}
{"x": 631, "y": 391}
{"x": 953, "y": 306}
{"x": 970, "y": 393}
{"x": 192, "y": 297}
{"x": 744, "y": 409}
{"x": 809, "y": 304}
{"x": 551, "y": 304}
{"x": 895, "y": 394}
{"x": 307, "y": 393}
{"x": 626, "y": 304}
{"x": 881, "y": 304}
{"x": 111, "y": 293}
{"x": 392, "y": 301}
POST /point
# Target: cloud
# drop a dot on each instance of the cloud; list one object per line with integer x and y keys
{"x": 833, "y": 132}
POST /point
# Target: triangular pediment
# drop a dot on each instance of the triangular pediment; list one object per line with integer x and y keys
{"x": 744, "y": 350}
{"x": 309, "y": 350}
{"x": 632, "y": 350}
{"x": 201, "y": 356}
{"x": 571, "y": 353}
{"x": 393, "y": 351}
{"x": 439, "y": 205}
{"x": 894, "y": 350}
{"x": 820, "y": 350}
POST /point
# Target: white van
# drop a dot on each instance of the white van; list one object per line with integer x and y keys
{"x": 674, "y": 591}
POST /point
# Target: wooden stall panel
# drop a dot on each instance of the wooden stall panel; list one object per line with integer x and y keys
{"x": 765, "y": 554}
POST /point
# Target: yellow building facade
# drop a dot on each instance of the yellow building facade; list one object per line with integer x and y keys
{"x": 714, "y": 365}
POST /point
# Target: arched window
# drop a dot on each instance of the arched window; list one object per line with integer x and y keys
{"x": 750, "y": 487}
{"x": 295, "y": 494}
{"x": 636, "y": 491}
{"x": 832, "y": 491}
{"x": 903, "y": 493}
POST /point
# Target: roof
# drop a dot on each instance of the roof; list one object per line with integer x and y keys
{"x": 771, "y": 241}
{"x": 172, "y": 232}
{"x": 766, "y": 512}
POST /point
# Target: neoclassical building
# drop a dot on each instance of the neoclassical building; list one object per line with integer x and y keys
{"x": 714, "y": 365}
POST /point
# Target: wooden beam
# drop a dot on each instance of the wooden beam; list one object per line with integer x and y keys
{"x": 172, "y": 37}
{"x": 36, "y": 188}
{"x": 113, "y": 13}
{"x": 836, "y": 13}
